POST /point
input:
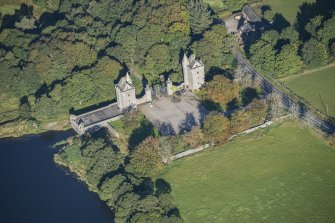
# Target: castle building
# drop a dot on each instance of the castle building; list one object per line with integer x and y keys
{"x": 125, "y": 93}
{"x": 194, "y": 73}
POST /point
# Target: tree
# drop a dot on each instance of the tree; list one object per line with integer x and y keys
{"x": 271, "y": 37}
{"x": 194, "y": 138}
{"x": 288, "y": 61}
{"x": 217, "y": 127}
{"x": 313, "y": 25}
{"x": 25, "y": 110}
{"x": 263, "y": 57}
{"x": 326, "y": 33}
{"x": 220, "y": 90}
{"x": 145, "y": 159}
{"x": 268, "y": 15}
{"x": 110, "y": 186}
{"x": 200, "y": 16}
{"x": 214, "y": 48}
{"x": 291, "y": 34}
{"x": 253, "y": 115}
{"x": 314, "y": 53}
{"x": 26, "y": 23}
{"x": 157, "y": 61}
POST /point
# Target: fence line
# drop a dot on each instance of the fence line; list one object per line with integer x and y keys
{"x": 298, "y": 108}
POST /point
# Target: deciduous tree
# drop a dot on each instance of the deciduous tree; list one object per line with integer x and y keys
{"x": 217, "y": 127}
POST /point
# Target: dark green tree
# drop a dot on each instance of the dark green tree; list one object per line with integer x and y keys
{"x": 314, "y": 53}
{"x": 200, "y": 16}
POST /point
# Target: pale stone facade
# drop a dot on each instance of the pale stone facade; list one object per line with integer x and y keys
{"x": 125, "y": 93}
{"x": 194, "y": 73}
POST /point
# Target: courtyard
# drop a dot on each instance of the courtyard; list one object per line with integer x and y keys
{"x": 172, "y": 115}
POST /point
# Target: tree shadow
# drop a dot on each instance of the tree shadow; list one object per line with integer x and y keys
{"x": 8, "y": 21}
{"x": 162, "y": 187}
{"x": 49, "y": 19}
{"x": 216, "y": 71}
{"x": 233, "y": 104}
{"x": 145, "y": 188}
{"x": 279, "y": 22}
{"x": 203, "y": 113}
{"x": 165, "y": 129}
{"x": 138, "y": 135}
{"x": 187, "y": 124}
{"x": 307, "y": 11}
{"x": 280, "y": 43}
{"x": 210, "y": 105}
{"x": 248, "y": 95}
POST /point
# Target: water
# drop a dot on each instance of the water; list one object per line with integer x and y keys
{"x": 34, "y": 189}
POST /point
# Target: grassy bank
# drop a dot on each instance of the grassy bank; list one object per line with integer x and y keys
{"x": 317, "y": 87}
{"x": 281, "y": 174}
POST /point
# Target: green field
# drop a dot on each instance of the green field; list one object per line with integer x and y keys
{"x": 288, "y": 8}
{"x": 314, "y": 86}
{"x": 281, "y": 174}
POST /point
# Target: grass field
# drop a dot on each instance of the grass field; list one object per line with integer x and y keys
{"x": 288, "y": 8}
{"x": 281, "y": 174}
{"x": 314, "y": 84}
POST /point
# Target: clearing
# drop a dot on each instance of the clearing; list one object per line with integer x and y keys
{"x": 280, "y": 174}
{"x": 317, "y": 87}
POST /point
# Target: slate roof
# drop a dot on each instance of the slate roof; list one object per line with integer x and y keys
{"x": 125, "y": 83}
{"x": 194, "y": 62}
{"x": 250, "y": 14}
{"x": 99, "y": 115}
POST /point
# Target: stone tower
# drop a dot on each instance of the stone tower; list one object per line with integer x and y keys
{"x": 194, "y": 73}
{"x": 125, "y": 93}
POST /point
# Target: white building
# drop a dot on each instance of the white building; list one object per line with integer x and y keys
{"x": 194, "y": 73}
{"x": 126, "y": 95}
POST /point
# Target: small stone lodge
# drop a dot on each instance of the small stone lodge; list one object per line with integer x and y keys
{"x": 242, "y": 23}
{"x": 194, "y": 79}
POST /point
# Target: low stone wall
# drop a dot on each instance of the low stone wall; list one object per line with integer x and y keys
{"x": 206, "y": 146}
{"x": 191, "y": 151}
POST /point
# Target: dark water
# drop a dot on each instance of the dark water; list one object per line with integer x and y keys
{"x": 33, "y": 189}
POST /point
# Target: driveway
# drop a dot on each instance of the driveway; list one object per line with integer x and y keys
{"x": 175, "y": 114}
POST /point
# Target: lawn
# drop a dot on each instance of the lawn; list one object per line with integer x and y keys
{"x": 280, "y": 174}
{"x": 288, "y": 8}
{"x": 317, "y": 87}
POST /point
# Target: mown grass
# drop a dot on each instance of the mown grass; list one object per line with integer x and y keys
{"x": 281, "y": 174}
{"x": 288, "y": 8}
{"x": 317, "y": 87}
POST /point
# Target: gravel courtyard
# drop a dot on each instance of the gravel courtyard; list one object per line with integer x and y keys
{"x": 174, "y": 114}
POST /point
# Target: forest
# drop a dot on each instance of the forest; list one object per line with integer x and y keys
{"x": 71, "y": 56}
{"x": 287, "y": 48}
